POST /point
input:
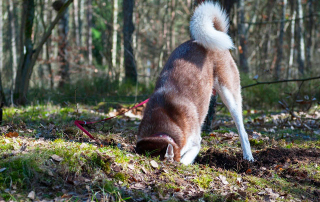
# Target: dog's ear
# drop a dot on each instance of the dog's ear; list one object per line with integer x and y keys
{"x": 169, "y": 153}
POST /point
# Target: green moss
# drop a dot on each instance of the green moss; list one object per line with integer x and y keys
{"x": 21, "y": 171}
{"x": 121, "y": 176}
{"x": 103, "y": 163}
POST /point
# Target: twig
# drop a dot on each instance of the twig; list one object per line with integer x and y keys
{"x": 280, "y": 81}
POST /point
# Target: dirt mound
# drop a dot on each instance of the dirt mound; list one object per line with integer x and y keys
{"x": 266, "y": 161}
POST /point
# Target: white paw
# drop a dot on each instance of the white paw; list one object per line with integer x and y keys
{"x": 249, "y": 158}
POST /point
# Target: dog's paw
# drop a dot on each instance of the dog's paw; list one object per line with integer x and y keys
{"x": 249, "y": 158}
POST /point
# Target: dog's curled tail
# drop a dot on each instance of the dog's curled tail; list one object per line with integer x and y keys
{"x": 209, "y": 26}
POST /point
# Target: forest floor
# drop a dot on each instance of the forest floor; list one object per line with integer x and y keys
{"x": 44, "y": 157}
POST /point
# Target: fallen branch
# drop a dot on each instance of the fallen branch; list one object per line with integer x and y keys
{"x": 281, "y": 81}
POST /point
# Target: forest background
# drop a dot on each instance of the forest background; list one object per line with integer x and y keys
{"x": 113, "y": 51}
{"x": 68, "y": 60}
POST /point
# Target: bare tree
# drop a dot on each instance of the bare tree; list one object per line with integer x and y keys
{"x": 292, "y": 44}
{"x": 76, "y": 21}
{"x": 128, "y": 28}
{"x": 309, "y": 36}
{"x": 243, "y": 61}
{"x": 301, "y": 46}
{"x": 280, "y": 41}
{"x": 89, "y": 32}
{"x": 114, "y": 33}
{"x": 13, "y": 44}
{"x": 2, "y": 96}
{"x": 63, "y": 29}
{"x": 29, "y": 55}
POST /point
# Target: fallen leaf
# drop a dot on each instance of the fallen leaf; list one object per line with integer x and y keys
{"x": 249, "y": 171}
{"x": 32, "y": 195}
{"x": 239, "y": 180}
{"x": 177, "y": 189}
{"x": 223, "y": 179}
{"x": 269, "y": 190}
{"x": 138, "y": 186}
{"x": 144, "y": 170}
{"x": 50, "y": 173}
{"x": 154, "y": 164}
{"x": 131, "y": 167}
{"x": 12, "y": 134}
{"x": 65, "y": 196}
{"x": 56, "y": 158}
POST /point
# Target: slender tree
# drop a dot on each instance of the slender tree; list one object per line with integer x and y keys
{"x": 114, "y": 33}
{"x": 128, "y": 28}
{"x": 76, "y": 22}
{"x": 13, "y": 44}
{"x": 292, "y": 44}
{"x": 63, "y": 30}
{"x": 301, "y": 46}
{"x": 243, "y": 59}
{"x": 309, "y": 36}
{"x": 280, "y": 41}
{"x": 89, "y": 32}
{"x": 2, "y": 96}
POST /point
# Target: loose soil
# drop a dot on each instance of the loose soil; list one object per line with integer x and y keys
{"x": 267, "y": 162}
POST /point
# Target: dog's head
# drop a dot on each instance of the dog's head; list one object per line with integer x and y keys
{"x": 159, "y": 145}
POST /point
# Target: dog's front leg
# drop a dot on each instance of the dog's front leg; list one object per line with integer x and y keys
{"x": 234, "y": 103}
{"x": 191, "y": 149}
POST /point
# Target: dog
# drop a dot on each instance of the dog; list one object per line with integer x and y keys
{"x": 171, "y": 125}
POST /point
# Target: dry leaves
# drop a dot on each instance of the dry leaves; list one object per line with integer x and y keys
{"x": 154, "y": 164}
{"x": 223, "y": 179}
{"x": 12, "y": 134}
{"x": 56, "y": 158}
{"x": 32, "y": 195}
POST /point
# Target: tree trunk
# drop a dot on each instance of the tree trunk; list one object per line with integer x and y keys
{"x": 2, "y": 96}
{"x": 280, "y": 42}
{"x": 13, "y": 44}
{"x": 114, "y": 34}
{"x": 89, "y": 33}
{"x": 243, "y": 63}
{"x": 301, "y": 46}
{"x": 76, "y": 22}
{"x": 292, "y": 44}
{"x": 30, "y": 55}
{"x": 48, "y": 15}
{"x": 22, "y": 78}
{"x": 172, "y": 23}
{"x": 63, "y": 30}
{"x": 309, "y": 37}
{"x": 128, "y": 28}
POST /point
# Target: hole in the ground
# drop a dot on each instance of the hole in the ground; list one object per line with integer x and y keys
{"x": 277, "y": 159}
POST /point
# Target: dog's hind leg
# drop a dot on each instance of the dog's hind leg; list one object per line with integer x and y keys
{"x": 232, "y": 99}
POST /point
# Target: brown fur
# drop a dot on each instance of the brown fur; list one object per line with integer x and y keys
{"x": 181, "y": 106}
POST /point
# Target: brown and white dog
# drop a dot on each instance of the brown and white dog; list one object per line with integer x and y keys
{"x": 171, "y": 126}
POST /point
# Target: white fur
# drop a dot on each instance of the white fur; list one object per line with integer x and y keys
{"x": 202, "y": 28}
{"x": 233, "y": 102}
{"x": 191, "y": 149}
